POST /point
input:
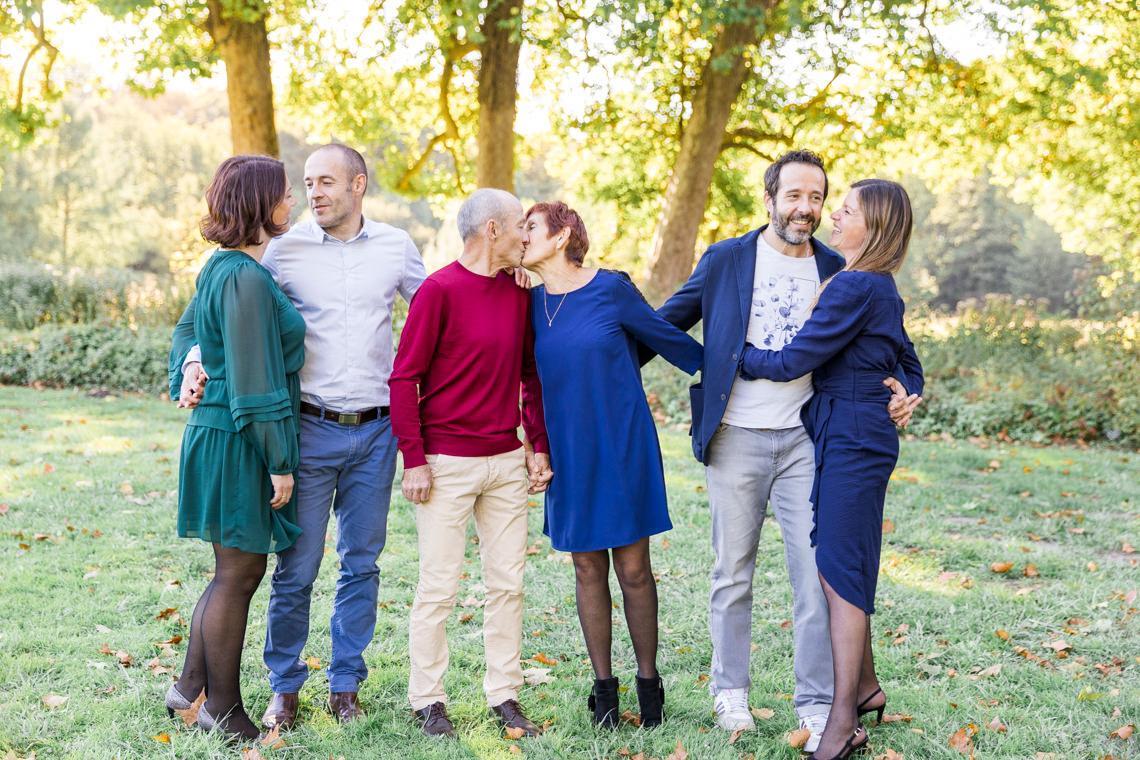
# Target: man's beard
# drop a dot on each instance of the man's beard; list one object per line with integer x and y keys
{"x": 780, "y": 227}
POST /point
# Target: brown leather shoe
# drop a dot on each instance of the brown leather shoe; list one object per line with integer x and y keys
{"x": 510, "y": 714}
{"x": 434, "y": 720}
{"x": 282, "y": 711}
{"x": 344, "y": 706}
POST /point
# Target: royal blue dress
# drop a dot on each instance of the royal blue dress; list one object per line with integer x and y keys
{"x": 609, "y": 485}
{"x": 853, "y": 340}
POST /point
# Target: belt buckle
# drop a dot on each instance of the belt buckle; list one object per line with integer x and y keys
{"x": 348, "y": 418}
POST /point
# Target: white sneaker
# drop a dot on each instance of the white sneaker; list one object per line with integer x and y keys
{"x": 815, "y": 724}
{"x": 732, "y": 713}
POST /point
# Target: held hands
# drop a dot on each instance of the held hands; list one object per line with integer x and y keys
{"x": 282, "y": 489}
{"x": 193, "y": 383}
{"x": 901, "y": 406}
{"x": 538, "y": 471}
{"x": 417, "y": 484}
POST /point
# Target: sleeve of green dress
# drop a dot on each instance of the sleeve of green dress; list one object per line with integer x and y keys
{"x": 182, "y": 341}
{"x": 255, "y": 369}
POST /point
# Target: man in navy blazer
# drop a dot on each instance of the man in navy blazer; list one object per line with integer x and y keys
{"x": 760, "y": 288}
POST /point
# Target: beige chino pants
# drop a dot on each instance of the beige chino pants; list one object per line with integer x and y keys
{"x": 494, "y": 490}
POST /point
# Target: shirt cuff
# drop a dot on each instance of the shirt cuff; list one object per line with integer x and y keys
{"x": 540, "y": 444}
{"x": 414, "y": 457}
{"x": 192, "y": 356}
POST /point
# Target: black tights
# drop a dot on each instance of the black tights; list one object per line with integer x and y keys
{"x": 639, "y": 590}
{"x": 217, "y": 636}
{"x": 854, "y": 666}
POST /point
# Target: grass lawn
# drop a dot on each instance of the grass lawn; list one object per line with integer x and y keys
{"x": 1041, "y": 658}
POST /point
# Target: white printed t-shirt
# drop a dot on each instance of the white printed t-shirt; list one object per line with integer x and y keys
{"x": 782, "y": 292}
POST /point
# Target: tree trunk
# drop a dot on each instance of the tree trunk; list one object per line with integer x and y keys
{"x": 702, "y": 136}
{"x": 498, "y": 91}
{"x": 244, "y": 48}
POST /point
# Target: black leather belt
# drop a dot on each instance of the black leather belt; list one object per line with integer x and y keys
{"x": 344, "y": 418}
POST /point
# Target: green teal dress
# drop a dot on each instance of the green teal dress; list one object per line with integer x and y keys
{"x": 245, "y": 428}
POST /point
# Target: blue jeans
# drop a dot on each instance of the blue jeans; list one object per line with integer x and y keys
{"x": 357, "y": 464}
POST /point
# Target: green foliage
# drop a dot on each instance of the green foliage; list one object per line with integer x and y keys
{"x": 94, "y": 355}
{"x": 32, "y": 295}
{"x": 1002, "y": 368}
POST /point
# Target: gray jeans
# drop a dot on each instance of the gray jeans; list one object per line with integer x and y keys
{"x": 746, "y": 469}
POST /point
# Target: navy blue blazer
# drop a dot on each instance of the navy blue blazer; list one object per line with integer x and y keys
{"x": 719, "y": 292}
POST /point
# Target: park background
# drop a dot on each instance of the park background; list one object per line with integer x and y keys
{"x": 1013, "y": 124}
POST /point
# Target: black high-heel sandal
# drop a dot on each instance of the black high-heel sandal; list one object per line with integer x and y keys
{"x": 603, "y": 701}
{"x": 879, "y": 710}
{"x": 850, "y": 747}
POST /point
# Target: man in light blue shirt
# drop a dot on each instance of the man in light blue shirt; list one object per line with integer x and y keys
{"x": 342, "y": 272}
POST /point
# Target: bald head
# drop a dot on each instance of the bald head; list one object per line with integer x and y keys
{"x": 486, "y": 205}
{"x": 349, "y": 158}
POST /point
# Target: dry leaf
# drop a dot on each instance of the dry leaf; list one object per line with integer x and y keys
{"x": 52, "y": 701}
{"x": 735, "y": 736}
{"x": 888, "y": 526}
{"x": 515, "y": 749}
{"x": 897, "y": 718}
{"x": 1030, "y": 571}
{"x": 190, "y": 714}
{"x": 251, "y": 753}
{"x": 631, "y": 718}
{"x": 537, "y": 676}
{"x": 162, "y": 738}
{"x": 49, "y": 468}
{"x": 989, "y": 672}
{"x": 166, "y": 614}
{"x": 996, "y": 725}
{"x": 763, "y": 713}
{"x": 542, "y": 658}
{"x": 798, "y": 738}
{"x": 466, "y": 617}
{"x": 313, "y": 662}
{"x": 1002, "y": 634}
{"x": 961, "y": 742}
{"x": 1001, "y": 567}
{"x": 515, "y": 733}
{"x": 124, "y": 659}
{"x": 678, "y": 753}
{"x": 1124, "y": 732}
{"x": 890, "y": 754}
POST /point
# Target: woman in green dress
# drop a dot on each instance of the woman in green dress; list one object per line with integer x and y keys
{"x": 240, "y": 448}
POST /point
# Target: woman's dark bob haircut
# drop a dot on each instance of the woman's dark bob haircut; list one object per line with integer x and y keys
{"x": 241, "y": 199}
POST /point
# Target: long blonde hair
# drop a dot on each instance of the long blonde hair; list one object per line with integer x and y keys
{"x": 889, "y": 220}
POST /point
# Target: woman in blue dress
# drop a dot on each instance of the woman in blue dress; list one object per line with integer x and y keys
{"x": 852, "y": 342}
{"x": 608, "y": 491}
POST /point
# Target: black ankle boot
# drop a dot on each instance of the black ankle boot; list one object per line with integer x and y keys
{"x": 651, "y": 697}
{"x": 604, "y": 702}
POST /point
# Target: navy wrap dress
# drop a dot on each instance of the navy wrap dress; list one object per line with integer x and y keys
{"x": 853, "y": 340}
{"x": 609, "y": 484}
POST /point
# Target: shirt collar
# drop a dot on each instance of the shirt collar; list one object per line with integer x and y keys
{"x": 322, "y": 237}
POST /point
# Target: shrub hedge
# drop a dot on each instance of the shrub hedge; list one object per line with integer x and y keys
{"x": 996, "y": 368}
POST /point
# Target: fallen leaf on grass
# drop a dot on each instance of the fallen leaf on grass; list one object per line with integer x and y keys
{"x": 962, "y": 740}
{"x": 542, "y": 658}
{"x": 763, "y": 713}
{"x": 313, "y": 662}
{"x": 1126, "y": 547}
{"x": 52, "y": 701}
{"x": 735, "y": 736}
{"x": 989, "y": 672}
{"x": 1001, "y": 567}
{"x": 251, "y": 753}
{"x": 466, "y": 617}
{"x": 1002, "y": 634}
{"x": 167, "y": 614}
{"x": 190, "y": 714}
{"x": 678, "y": 753}
{"x": 513, "y": 732}
{"x": 798, "y": 738}
{"x": 537, "y": 676}
{"x": 631, "y": 718}
{"x": 515, "y": 749}
{"x": 997, "y": 725}
{"x": 888, "y": 526}
{"x": 1124, "y": 732}
{"x": 4, "y": 509}
{"x": 1030, "y": 571}
{"x": 1060, "y": 646}
{"x": 890, "y": 754}
{"x": 125, "y": 659}
{"x": 161, "y": 738}
{"x": 897, "y": 718}
{"x": 49, "y": 468}
{"x": 156, "y": 667}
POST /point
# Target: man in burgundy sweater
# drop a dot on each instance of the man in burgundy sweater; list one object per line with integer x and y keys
{"x": 465, "y": 351}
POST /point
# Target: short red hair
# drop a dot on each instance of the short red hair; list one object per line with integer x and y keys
{"x": 559, "y": 216}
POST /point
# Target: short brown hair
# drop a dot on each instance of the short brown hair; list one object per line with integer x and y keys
{"x": 772, "y": 173}
{"x": 558, "y": 216}
{"x": 887, "y": 214}
{"x": 241, "y": 199}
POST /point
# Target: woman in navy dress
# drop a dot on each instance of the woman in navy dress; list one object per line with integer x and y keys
{"x": 852, "y": 342}
{"x": 608, "y": 491}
